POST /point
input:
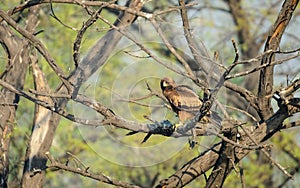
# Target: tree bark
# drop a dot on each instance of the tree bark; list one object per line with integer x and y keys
{"x": 46, "y": 121}
{"x": 265, "y": 87}
{"x": 15, "y": 74}
{"x": 225, "y": 162}
{"x": 18, "y": 51}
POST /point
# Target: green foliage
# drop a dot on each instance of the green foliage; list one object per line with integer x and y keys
{"x": 122, "y": 78}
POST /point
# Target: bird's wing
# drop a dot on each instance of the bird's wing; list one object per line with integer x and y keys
{"x": 184, "y": 101}
{"x": 187, "y": 99}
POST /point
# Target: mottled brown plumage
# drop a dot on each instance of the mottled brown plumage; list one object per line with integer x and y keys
{"x": 183, "y": 100}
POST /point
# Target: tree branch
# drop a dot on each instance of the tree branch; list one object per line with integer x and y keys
{"x": 266, "y": 75}
{"x": 194, "y": 168}
{"x": 39, "y": 46}
{"x": 84, "y": 172}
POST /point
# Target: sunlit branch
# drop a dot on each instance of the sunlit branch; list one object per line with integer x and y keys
{"x": 86, "y": 173}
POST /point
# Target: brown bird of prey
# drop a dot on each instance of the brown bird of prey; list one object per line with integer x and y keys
{"x": 185, "y": 103}
{"x": 183, "y": 100}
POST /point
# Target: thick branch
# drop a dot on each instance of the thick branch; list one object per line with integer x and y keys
{"x": 224, "y": 163}
{"x": 39, "y": 138}
{"x": 100, "y": 52}
{"x": 85, "y": 69}
{"x": 265, "y": 87}
{"x": 192, "y": 169}
{"x": 195, "y": 167}
{"x": 18, "y": 52}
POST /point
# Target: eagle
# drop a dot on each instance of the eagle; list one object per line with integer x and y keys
{"x": 184, "y": 101}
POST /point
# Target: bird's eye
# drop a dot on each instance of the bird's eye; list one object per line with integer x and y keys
{"x": 165, "y": 84}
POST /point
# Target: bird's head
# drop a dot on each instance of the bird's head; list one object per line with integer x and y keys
{"x": 167, "y": 82}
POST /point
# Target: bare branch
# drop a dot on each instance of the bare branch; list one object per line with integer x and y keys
{"x": 84, "y": 172}
{"x": 266, "y": 75}
{"x": 144, "y": 48}
{"x": 110, "y": 4}
{"x": 56, "y": 18}
{"x": 268, "y": 155}
{"x": 246, "y": 113}
{"x": 286, "y": 92}
{"x": 246, "y": 94}
{"x": 194, "y": 168}
{"x": 263, "y": 66}
{"x": 173, "y": 51}
{"x": 291, "y": 125}
{"x": 84, "y": 27}
{"x": 39, "y": 46}
{"x": 186, "y": 28}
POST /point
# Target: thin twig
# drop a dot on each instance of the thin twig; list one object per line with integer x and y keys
{"x": 248, "y": 147}
{"x": 51, "y": 95}
{"x": 56, "y": 18}
{"x": 85, "y": 26}
{"x": 40, "y": 47}
{"x": 111, "y": 4}
{"x": 172, "y": 50}
{"x": 77, "y": 159}
{"x": 99, "y": 176}
{"x": 189, "y": 38}
{"x": 258, "y": 68}
{"x": 246, "y": 94}
{"x": 267, "y": 154}
{"x": 141, "y": 104}
{"x": 244, "y": 112}
{"x": 144, "y": 48}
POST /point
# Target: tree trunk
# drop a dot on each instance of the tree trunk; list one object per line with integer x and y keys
{"x": 46, "y": 122}
{"x": 14, "y": 74}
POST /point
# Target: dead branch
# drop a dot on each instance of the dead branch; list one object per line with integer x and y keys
{"x": 244, "y": 112}
{"x": 57, "y": 19}
{"x": 265, "y": 130}
{"x": 41, "y": 124}
{"x": 224, "y": 163}
{"x": 192, "y": 169}
{"x": 110, "y": 4}
{"x": 144, "y": 48}
{"x": 291, "y": 125}
{"x": 83, "y": 29}
{"x": 18, "y": 58}
{"x": 268, "y": 155}
{"x": 84, "y": 172}
{"x": 266, "y": 75}
{"x": 246, "y": 94}
{"x": 188, "y": 69}
{"x": 189, "y": 38}
{"x": 263, "y": 66}
{"x": 39, "y": 46}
